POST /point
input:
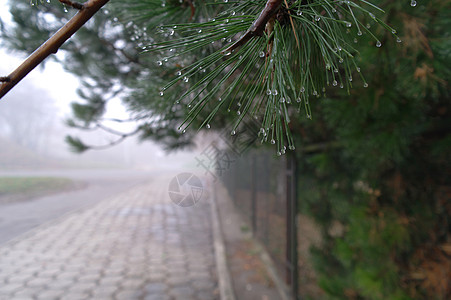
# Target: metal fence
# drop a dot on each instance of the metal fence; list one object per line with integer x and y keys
{"x": 263, "y": 188}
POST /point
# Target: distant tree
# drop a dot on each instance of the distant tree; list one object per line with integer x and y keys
{"x": 28, "y": 118}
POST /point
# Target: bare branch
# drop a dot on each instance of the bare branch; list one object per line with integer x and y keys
{"x": 52, "y": 45}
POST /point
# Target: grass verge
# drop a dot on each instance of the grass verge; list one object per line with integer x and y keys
{"x": 14, "y": 189}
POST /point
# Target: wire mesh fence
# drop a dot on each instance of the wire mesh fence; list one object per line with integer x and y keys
{"x": 262, "y": 187}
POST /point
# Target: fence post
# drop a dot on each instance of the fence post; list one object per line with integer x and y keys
{"x": 291, "y": 234}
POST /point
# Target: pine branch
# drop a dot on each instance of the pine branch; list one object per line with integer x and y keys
{"x": 78, "y": 146}
{"x": 86, "y": 11}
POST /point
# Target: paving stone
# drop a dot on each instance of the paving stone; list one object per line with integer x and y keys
{"x": 19, "y": 278}
{"x": 82, "y": 287}
{"x": 61, "y": 284}
{"x": 38, "y": 282}
{"x": 28, "y": 293}
{"x": 157, "y": 296}
{"x": 128, "y": 295}
{"x": 210, "y": 295}
{"x": 75, "y": 296}
{"x": 104, "y": 291}
{"x": 180, "y": 291}
{"x": 204, "y": 284}
{"x": 137, "y": 245}
{"x": 50, "y": 294}
{"x": 10, "y": 288}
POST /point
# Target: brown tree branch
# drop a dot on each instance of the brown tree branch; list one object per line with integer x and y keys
{"x": 73, "y": 4}
{"x": 52, "y": 45}
{"x": 257, "y": 28}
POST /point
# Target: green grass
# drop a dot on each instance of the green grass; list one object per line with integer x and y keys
{"x": 23, "y": 188}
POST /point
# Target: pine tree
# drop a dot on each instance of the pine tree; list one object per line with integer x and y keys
{"x": 288, "y": 52}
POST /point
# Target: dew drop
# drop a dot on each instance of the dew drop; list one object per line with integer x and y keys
{"x": 278, "y": 153}
{"x": 261, "y": 54}
{"x": 359, "y": 33}
{"x": 273, "y": 141}
{"x": 161, "y": 93}
{"x": 233, "y": 132}
{"x": 291, "y": 147}
{"x": 208, "y": 126}
{"x": 185, "y": 79}
{"x": 355, "y": 41}
{"x": 358, "y": 69}
{"x": 348, "y": 24}
{"x": 299, "y": 12}
{"x": 268, "y": 92}
{"x": 199, "y": 31}
{"x": 302, "y": 89}
{"x": 184, "y": 130}
{"x": 220, "y": 99}
{"x": 298, "y": 100}
{"x": 378, "y": 44}
{"x": 365, "y": 85}
{"x": 275, "y": 92}
{"x": 334, "y": 83}
{"x": 350, "y": 78}
{"x": 225, "y": 1}
{"x": 178, "y": 73}
{"x": 159, "y": 63}
{"x": 238, "y": 113}
{"x": 282, "y": 100}
{"x": 65, "y": 9}
{"x": 315, "y": 93}
{"x": 413, "y": 3}
{"x": 398, "y": 40}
